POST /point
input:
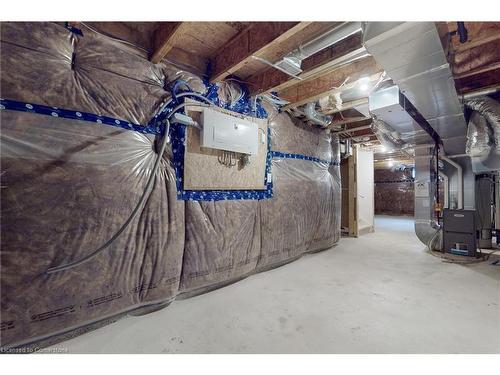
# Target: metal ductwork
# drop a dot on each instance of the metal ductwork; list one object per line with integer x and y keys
{"x": 412, "y": 55}
{"x": 316, "y": 117}
{"x": 426, "y": 225}
{"x": 479, "y": 137}
{"x": 292, "y": 62}
{"x": 388, "y": 137}
{"x": 483, "y": 134}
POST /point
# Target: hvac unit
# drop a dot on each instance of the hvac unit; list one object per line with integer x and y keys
{"x": 459, "y": 232}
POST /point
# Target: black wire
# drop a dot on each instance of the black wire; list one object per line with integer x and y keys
{"x": 130, "y": 218}
{"x": 144, "y": 195}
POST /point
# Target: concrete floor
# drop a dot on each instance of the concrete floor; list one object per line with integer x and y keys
{"x": 380, "y": 293}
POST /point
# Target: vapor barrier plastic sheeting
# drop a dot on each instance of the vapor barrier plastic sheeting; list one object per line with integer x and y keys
{"x": 68, "y": 185}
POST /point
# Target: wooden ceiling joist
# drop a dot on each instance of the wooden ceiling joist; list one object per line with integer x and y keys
{"x": 353, "y": 130}
{"x": 479, "y": 33}
{"x": 164, "y": 39}
{"x": 321, "y": 62}
{"x": 330, "y": 83}
{"x": 478, "y": 71}
{"x": 252, "y": 41}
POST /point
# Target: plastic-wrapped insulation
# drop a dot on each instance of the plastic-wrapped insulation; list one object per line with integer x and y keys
{"x": 68, "y": 182}
{"x": 316, "y": 117}
{"x": 230, "y": 92}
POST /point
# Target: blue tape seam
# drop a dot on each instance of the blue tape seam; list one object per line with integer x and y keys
{"x": 286, "y": 155}
{"x": 76, "y": 115}
{"x": 178, "y": 138}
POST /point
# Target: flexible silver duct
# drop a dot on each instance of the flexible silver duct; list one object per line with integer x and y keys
{"x": 489, "y": 136}
{"x": 388, "y": 137}
{"x": 479, "y": 136}
{"x": 483, "y": 134}
{"x": 316, "y": 117}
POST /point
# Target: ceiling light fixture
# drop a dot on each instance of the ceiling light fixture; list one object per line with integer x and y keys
{"x": 364, "y": 83}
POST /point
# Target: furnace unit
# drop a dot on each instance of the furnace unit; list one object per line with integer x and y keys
{"x": 459, "y": 232}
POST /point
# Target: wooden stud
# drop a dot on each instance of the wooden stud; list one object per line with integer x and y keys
{"x": 252, "y": 41}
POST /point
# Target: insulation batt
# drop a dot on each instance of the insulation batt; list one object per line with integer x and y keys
{"x": 67, "y": 185}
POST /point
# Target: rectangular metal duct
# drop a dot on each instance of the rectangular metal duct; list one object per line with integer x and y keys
{"x": 386, "y": 105}
{"x": 412, "y": 55}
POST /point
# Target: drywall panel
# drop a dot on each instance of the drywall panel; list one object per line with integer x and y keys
{"x": 365, "y": 185}
{"x": 203, "y": 171}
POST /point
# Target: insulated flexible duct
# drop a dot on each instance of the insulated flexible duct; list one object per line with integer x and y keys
{"x": 483, "y": 135}
{"x": 479, "y": 137}
{"x": 388, "y": 137}
{"x": 316, "y": 117}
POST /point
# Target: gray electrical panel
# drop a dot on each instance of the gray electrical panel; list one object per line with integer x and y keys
{"x": 459, "y": 232}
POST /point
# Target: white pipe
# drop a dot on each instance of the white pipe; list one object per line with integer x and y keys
{"x": 325, "y": 40}
{"x": 460, "y": 187}
{"x": 446, "y": 189}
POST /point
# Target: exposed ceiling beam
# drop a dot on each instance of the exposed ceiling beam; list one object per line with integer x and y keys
{"x": 477, "y": 43}
{"x": 330, "y": 83}
{"x": 252, "y": 41}
{"x": 372, "y": 137}
{"x": 165, "y": 38}
{"x": 325, "y": 60}
{"x": 474, "y": 72}
{"x": 358, "y": 128}
{"x": 479, "y": 81}
{"x": 350, "y": 121}
{"x": 479, "y": 33}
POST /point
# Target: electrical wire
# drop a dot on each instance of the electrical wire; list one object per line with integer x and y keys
{"x": 145, "y": 194}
